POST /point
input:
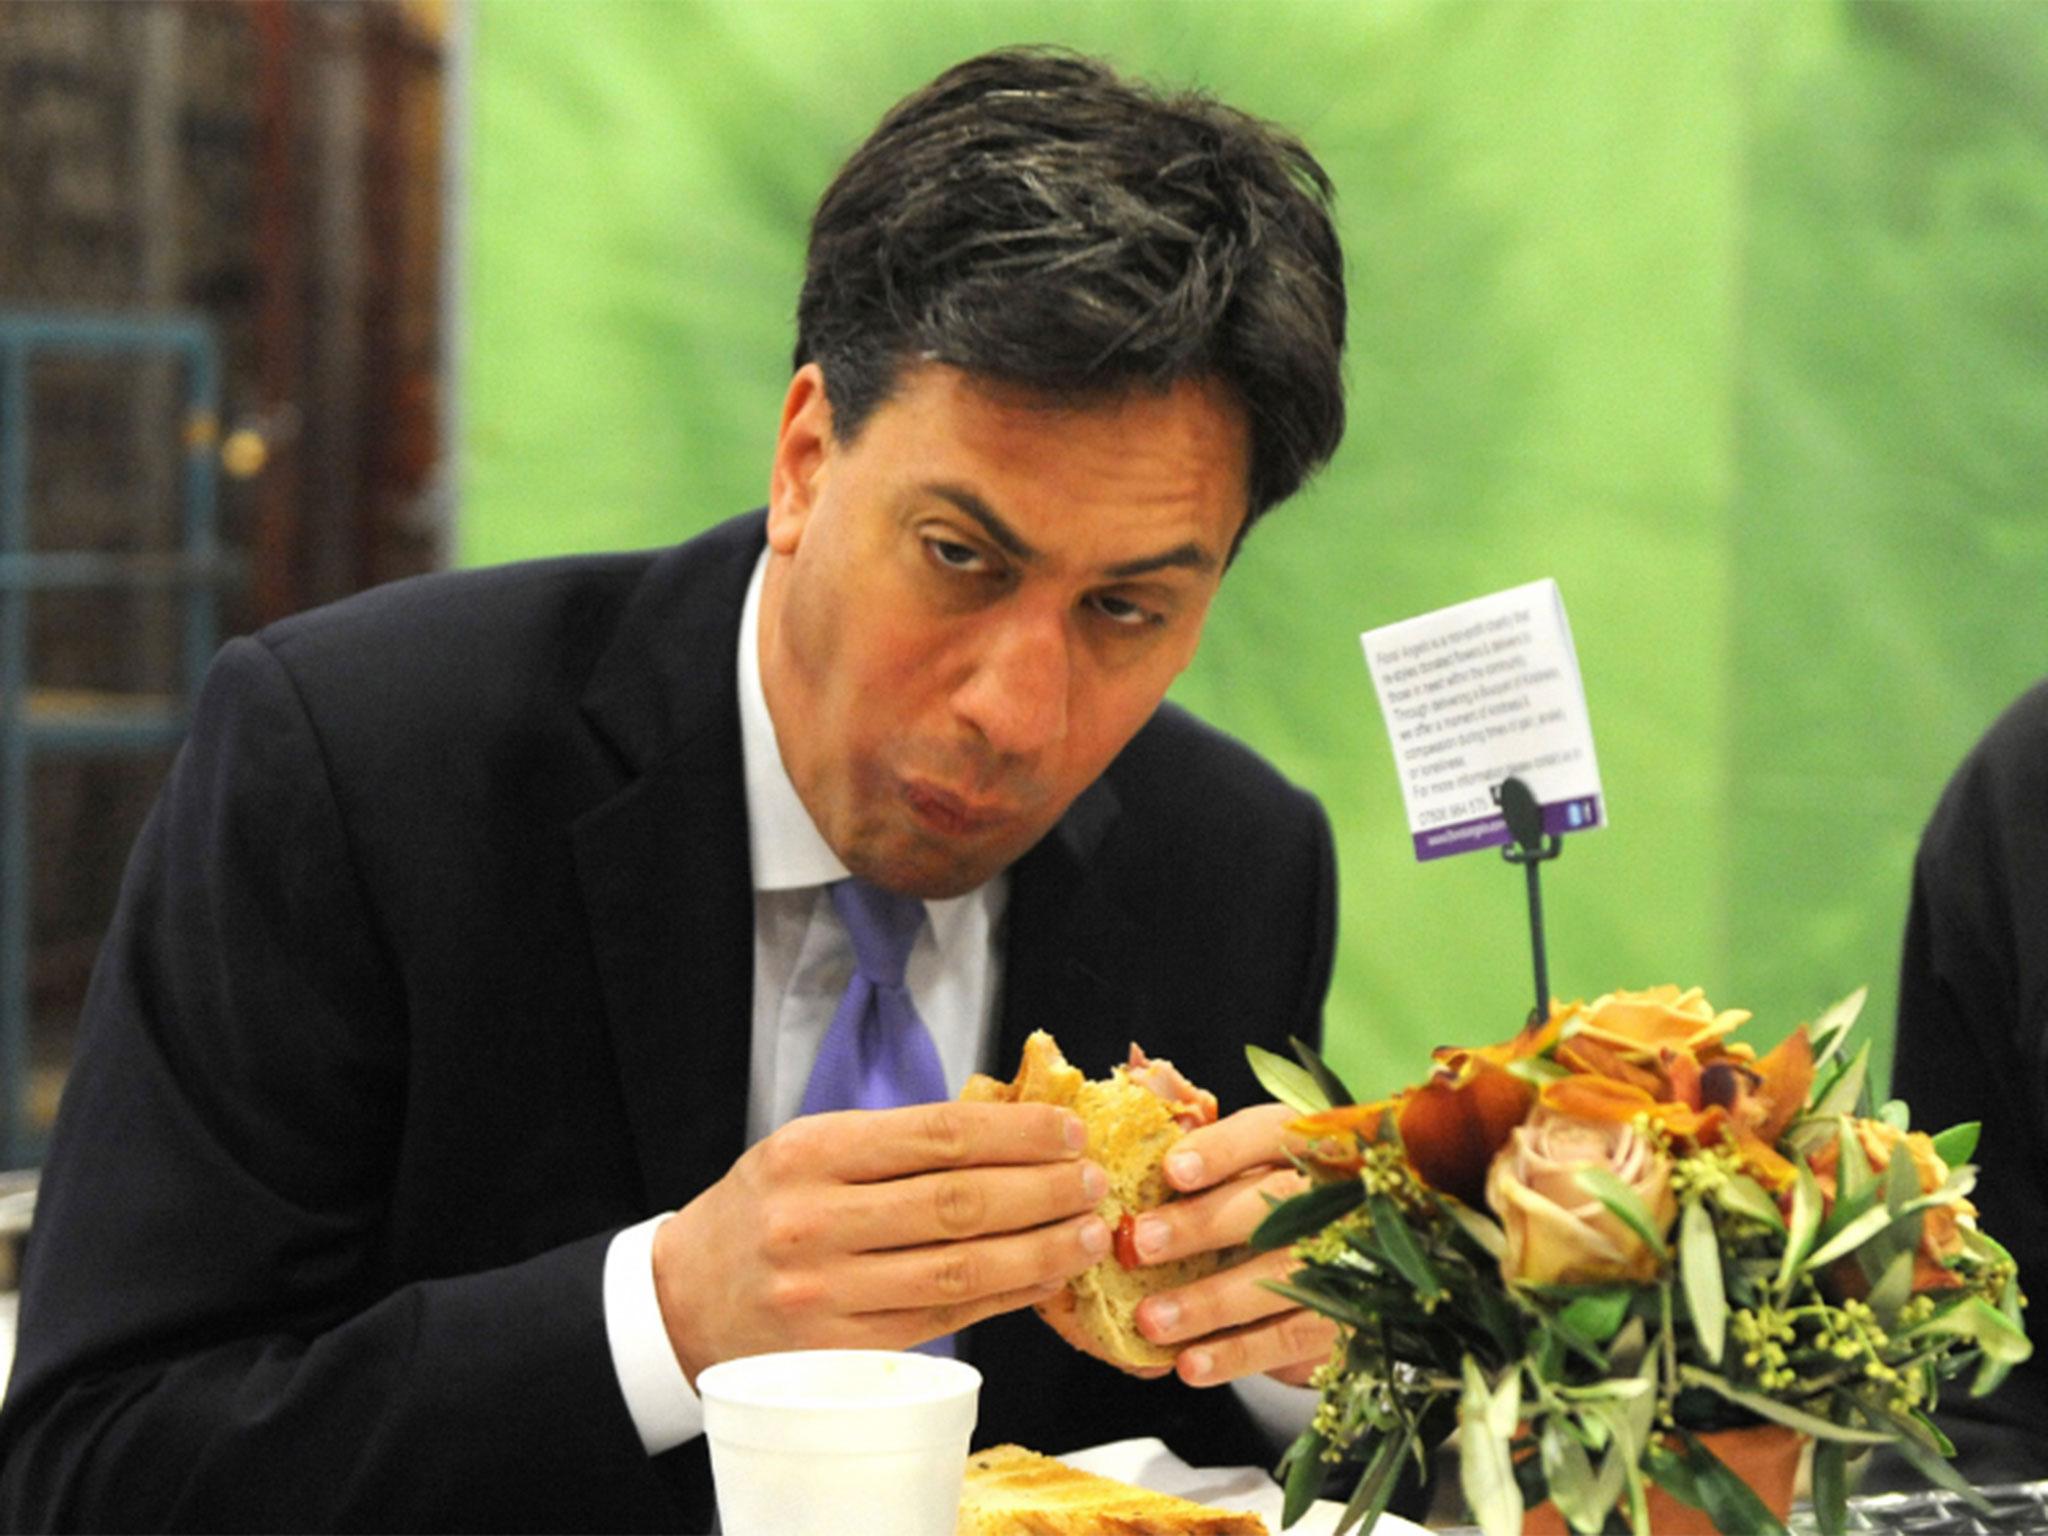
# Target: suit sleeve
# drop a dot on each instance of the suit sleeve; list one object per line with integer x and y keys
{"x": 210, "y": 1336}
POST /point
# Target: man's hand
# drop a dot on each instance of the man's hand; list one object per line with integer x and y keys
{"x": 1229, "y": 1325}
{"x": 878, "y": 1230}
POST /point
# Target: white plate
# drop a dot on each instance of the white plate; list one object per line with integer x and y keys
{"x": 1149, "y": 1464}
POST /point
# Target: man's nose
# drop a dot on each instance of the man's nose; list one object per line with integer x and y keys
{"x": 1017, "y": 695}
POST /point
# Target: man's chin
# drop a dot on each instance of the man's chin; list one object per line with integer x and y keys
{"x": 935, "y": 872}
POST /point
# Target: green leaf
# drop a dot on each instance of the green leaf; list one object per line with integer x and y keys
{"x": 1537, "y": 1070}
{"x": 1483, "y": 1230}
{"x": 1832, "y": 1028}
{"x": 1745, "y": 1197}
{"x": 1779, "y": 1413}
{"x": 1486, "y": 1468}
{"x": 1831, "y": 1488}
{"x": 1955, "y": 1145}
{"x": 1901, "y": 1183}
{"x": 1401, "y": 1248}
{"x": 1729, "y": 1502}
{"x": 1984, "y": 1246}
{"x": 1930, "y": 1464}
{"x": 1956, "y": 1186}
{"x": 1292, "y": 1084}
{"x": 1893, "y": 1112}
{"x": 1671, "y": 1472}
{"x": 1301, "y": 1475}
{"x": 1333, "y": 1088}
{"x": 1805, "y": 1224}
{"x": 1307, "y": 1213}
{"x": 1301, "y": 1291}
{"x": 1842, "y": 1093}
{"x": 1699, "y": 1266}
{"x": 1376, "y": 1487}
{"x": 1982, "y": 1324}
{"x": 1596, "y": 1316}
{"x": 1894, "y": 1288}
{"x": 1625, "y": 1203}
{"x": 1498, "y": 1316}
{"x": 1851, "y": 1237}
{"x": 1846, "y": 1209}
{"x": 1853, "y": 1177}
{"x": 1569, "y": 1472}
{"x": 1992, "y": 1373}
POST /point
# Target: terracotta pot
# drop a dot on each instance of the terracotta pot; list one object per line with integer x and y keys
{"x": 1765, "y": 1456}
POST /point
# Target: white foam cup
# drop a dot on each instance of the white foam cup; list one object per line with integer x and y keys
{"x": 819, "y": 1442}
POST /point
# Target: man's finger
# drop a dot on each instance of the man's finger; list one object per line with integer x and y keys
{"x": 859, "y": 1146}
{"x": 1251, "y": 1138}
{"x": 957, "y": 1203}
{"x": 912, "y": 1326}
{"x": 964, "y": 1275}
{"x": 1293, "y": 1343}
{"x": 1218, "y": 1218}
{"x": 1218, "y": 1303}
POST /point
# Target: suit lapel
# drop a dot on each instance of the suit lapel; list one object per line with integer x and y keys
{"x": 664, "y": 867}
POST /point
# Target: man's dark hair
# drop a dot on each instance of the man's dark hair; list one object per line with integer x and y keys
{"x": 1030, "y": 217}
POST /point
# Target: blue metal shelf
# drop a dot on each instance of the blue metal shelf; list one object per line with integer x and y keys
{"x": 42, "y": 723}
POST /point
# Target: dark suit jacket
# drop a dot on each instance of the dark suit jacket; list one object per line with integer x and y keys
{"x": 432, "y": 971}
{"x": 1973, "y": 1045}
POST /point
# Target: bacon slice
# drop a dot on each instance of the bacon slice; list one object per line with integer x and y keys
{"x": 1192, "y": 1107}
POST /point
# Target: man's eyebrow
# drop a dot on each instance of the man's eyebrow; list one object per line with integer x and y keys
{"x": 1189, "y": 556}
{"x": 1005, "y": 538}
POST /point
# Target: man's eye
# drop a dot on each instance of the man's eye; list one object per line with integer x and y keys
{"x": 955, "y": 557}
{"x": 1123, "y": 612}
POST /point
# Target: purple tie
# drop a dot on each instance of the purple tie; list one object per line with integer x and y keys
{"x": 877, "y": 1054}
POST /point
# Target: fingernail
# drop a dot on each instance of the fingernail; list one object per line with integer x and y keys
{"x": 1163, "y": 1315}
{"x": 1200, "y": 1363}
{"x": 1095, "y": 1236}
{"x": 1076, "y": 1133}
{"x": 1184, "y": 1168}
{"x": 1150, "y": 1236}
{"x": 1094, "y": 1182}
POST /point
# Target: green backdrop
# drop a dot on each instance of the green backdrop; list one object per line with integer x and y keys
{"x": 1732, "y": 317}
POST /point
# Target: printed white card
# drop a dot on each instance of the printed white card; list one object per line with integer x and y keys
{"x": 1475, "y": 694}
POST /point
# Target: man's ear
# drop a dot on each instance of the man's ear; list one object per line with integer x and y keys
{"x": 803, "y": 447}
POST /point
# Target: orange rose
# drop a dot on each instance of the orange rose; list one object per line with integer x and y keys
{"x": 1557, "y": 1232}
{"x": 1941, "y": 1236}
{"x": 1638, "y": 1025}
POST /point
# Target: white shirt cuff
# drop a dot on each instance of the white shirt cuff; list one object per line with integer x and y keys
{"x": 658, "y": 1396}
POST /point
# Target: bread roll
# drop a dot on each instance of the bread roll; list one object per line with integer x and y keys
{"x": 1130, "y": 1129}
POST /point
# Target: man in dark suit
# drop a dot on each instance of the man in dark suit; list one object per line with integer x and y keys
{"x": 436, "y": 1118}
{"x": 1972, "y": 1045}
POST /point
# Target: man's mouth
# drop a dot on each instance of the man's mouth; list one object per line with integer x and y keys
{"x": 954, "y": 814}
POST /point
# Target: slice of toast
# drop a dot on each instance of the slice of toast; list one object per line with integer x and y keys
{"x": 1014, "y": 1492}
{"x": 1130, "y": 1129}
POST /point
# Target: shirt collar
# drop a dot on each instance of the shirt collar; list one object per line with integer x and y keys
{"x": 788, "y": 852}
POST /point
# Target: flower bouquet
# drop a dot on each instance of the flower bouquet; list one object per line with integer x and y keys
{"x": 1594, "y": 1247}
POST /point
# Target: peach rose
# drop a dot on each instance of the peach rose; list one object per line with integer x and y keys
{"x": 1557, "y": 1232}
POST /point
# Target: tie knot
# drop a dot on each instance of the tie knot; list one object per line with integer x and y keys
{"x": 882, "y": 925}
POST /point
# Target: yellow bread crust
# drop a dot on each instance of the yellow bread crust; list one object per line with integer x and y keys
{"x": 1014, "y": 1492}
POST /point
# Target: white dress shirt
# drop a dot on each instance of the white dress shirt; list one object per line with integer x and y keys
{"x": 803, "y": 960}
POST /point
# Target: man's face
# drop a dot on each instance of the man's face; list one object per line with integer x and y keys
{"x": 973, "y": 606}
